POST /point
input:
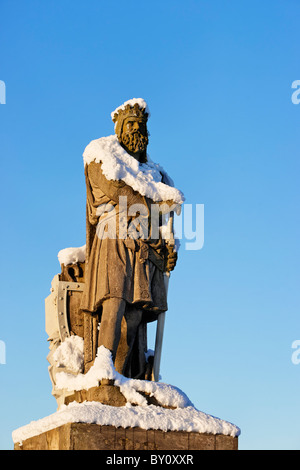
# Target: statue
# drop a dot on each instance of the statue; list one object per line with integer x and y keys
{"x": 124, "y": 286}
{"x": 112, "y": 287}
{"x": 101, "y": 302}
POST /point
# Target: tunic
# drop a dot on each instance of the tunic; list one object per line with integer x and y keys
{"x": 117, "y": 264}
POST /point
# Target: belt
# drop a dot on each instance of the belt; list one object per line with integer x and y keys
{"x": 146, "y": 251}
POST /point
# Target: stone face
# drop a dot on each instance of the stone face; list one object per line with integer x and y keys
{"x": 82, "y": 436}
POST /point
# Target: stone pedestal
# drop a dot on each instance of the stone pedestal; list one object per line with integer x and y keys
{"x": 82, "y": 436}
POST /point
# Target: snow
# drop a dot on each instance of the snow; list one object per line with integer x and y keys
{"x": 136, "y": 412}
{"x": 140, "y": 101}
{"x": 117, "y": 164}
{"x": 103, "y": 368}
{"x": 145, "y": 417}
{"x": 72, "y": 255}
{"x": 69, "y": 354}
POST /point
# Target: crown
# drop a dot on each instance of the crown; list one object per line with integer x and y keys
{"x": 132, "y": 111}
{"x": 128, "y": 110}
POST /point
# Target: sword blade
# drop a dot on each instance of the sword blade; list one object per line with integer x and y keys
{"x": 159, "y": 336}
{"x": 162, "y": 316}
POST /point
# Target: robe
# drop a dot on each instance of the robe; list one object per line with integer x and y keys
{"x": 130, "y": 269}
{"x": 127, "y": 268}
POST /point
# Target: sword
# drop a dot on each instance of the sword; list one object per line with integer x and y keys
{"x": 162, "y": 316}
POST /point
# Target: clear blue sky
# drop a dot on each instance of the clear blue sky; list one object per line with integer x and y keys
{"x": 217, "y": 77}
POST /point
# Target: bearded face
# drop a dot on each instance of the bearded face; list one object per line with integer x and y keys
{"x": 135, "y": 136}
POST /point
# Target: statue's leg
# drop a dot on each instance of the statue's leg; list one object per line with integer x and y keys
{"x": 110, "y": 327}
{"x": 90, "y": 324}
{"x": 129, "y": 329}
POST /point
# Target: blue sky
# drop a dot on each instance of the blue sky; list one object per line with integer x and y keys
{"x": 217, "y": 77}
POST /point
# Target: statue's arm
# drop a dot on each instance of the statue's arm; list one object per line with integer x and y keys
{"x": 110, "y": 188}
{"x": 114, "y": 189}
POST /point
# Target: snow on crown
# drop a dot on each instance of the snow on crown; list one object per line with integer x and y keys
{"x": 136, "y": 107}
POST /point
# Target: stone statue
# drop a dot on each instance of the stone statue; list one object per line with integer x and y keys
{"x": 124, "y": 286}
{"x": 101, "y": 303}
{"x": 112, "y": 287}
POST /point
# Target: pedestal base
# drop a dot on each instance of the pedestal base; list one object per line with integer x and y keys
{"x": 82, "y": 436}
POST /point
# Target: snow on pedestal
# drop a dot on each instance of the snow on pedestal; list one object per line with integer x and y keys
{"x": 136, "y": 413}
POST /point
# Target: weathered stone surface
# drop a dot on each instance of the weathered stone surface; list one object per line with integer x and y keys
{"x": 106, "y": 394}
{"x": 225, "y": 443}
{"x": 82, "y": 436}
{"x": 56, "y": 439}
{"x": 202, "y": 441}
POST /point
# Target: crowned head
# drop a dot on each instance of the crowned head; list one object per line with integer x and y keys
{"x": 131, "y": 128}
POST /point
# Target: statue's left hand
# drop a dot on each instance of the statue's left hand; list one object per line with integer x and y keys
{"x": 171, "y": 258}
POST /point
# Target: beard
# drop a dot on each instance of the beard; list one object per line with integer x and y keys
{"x": 135, "y": 142}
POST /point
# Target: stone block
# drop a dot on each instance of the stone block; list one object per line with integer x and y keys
{"x": 83, "y": 436}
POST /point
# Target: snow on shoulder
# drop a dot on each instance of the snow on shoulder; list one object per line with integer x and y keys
{"x": 145, "y": 178}
{"x": 136, "y": 413}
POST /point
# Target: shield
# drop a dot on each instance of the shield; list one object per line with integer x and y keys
{"x": 63, "y": 317}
